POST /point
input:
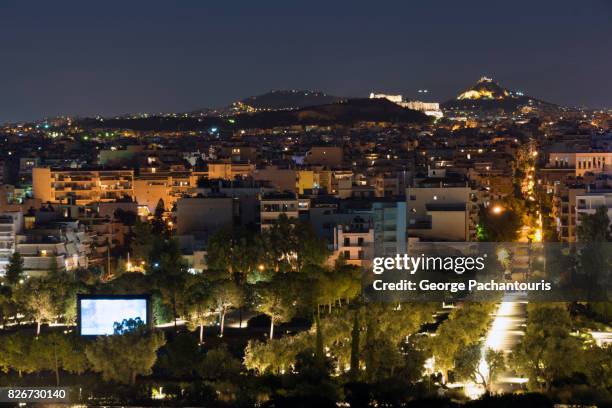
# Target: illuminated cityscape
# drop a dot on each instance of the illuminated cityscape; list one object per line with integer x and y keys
{"x": 222, "y": 256}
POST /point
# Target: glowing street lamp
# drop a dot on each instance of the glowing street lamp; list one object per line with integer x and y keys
{"x": 537, "y": 236}
{"x": 498, "y": 209}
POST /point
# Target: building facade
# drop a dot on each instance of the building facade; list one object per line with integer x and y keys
{"x": 82, "y": 187}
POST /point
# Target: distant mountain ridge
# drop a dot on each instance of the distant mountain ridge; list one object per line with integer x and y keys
{"x": 287, "y": 99}
{"x": 274, "y": 100}
{"x": 344, "y": 113}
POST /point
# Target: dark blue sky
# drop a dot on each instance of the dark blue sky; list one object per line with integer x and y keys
{"x": 109, "y": 57}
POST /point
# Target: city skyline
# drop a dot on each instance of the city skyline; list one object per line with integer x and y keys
{"x": 71, "y": 59}
{"x": 432, "y": 226}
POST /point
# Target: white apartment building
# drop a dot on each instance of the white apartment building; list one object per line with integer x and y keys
{"x": 11, "y": 224}
{"x": 65, "y": 243}
{"x": 581, "y": 162}
{"x": 353, "y": 244}
{"x": 442, "y": 213}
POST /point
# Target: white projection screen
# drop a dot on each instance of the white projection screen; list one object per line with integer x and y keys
{"x": 97, "y": 315}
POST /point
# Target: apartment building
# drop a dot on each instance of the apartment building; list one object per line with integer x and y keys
{"x": 497, "y": 181}
{"x": 386, "y": 185}
{"x": 595, "y": 162}
{"x": 442, "y": 209}
{"x": 326, "y": 213}
{"x": 353, "y": 243}
{"x": 11, "y": 224}
{"x": 229, "y": 171}
{"x": 564, "y": 210}
{"x": 273, "y": 205}
{"x": 82, "y": 187}
{"x": 203, "y": 216}
{"x": 286, "y": 179}
{"x": 65, "y": 243}
{"x": 389, "y": 225}
{"x": 168, "y": 186}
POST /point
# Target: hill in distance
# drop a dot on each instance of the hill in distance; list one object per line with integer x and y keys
{"x": 284, "y": 100}
{"x": 272, "y": 101}
{"x": 345, "y": 113}
{"x": 488, "y": 95}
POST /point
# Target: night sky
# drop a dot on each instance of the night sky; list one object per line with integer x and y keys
{"x": 111, "y": 57}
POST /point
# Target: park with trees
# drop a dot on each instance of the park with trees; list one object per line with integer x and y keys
{"x": 301, "y": 334}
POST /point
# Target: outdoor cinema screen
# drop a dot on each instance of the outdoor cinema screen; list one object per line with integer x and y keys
{"x": 98, "y": 314}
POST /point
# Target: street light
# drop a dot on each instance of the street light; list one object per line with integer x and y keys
{"x": 537, "y": 236}
{"x": 498, "y": 209}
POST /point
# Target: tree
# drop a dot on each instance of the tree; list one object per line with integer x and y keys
{"x": 291, "y": 245}
{"x": 598, "y": 367}
{"x": 220, "y": 251}
{"x": 501, "y": 227}
{"x": 414, "y": 359}
{"x": 15, "y": 353}
{"x": 594, "y": 227}
{"x": 280, "y": 244}
{"x": 226, "y": 294}
{"x": 381, "y": 352}
{"x": 7, "y": 305}
{"x": 181, "y": 357}
{"x": 200, "y": 305}
{"x": 310, "y": 250}
{"x": 122, "y": 357}
{"x": 275, "y": 356}
{"x": 63, "y": 289}
{"x": 594, "y": 257}
{"x": 330, "y": 288}
{"x": 219, "y": 365}
{"x": 496, "y": 364}
{"x": 463, "y": 327}
{"x": 14, "y": 270}
{"x": 170, "y": 276}
{"x": 237, "y": 251}
{"x": 468, "y": 366}
{"x": 547, "y": 350}
{"x": 312, "y": 384}
{"x": 37, "y": 295}
{"x": 482, "y": 368}
{"x": 277, "y": 299}
{"x": 58, "y": 351}
{"x": 354, "y": 370}
{"x": 158, "y": 225}
{"x": 127, "y": 218}
{"x": 141, "y": 243}
{"x": 386, "y": 328}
